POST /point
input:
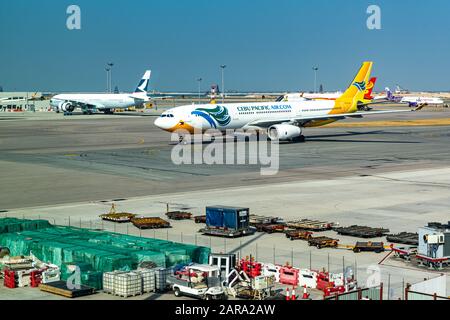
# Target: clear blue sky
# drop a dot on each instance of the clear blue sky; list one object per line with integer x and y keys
{"x": 267, "y": 45}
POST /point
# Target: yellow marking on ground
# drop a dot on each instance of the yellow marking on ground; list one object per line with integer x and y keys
{"x": 71, "y": 155}
{"x": 393, "y": 123}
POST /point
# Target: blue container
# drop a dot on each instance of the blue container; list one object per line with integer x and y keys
{"x": 227, "y": 217}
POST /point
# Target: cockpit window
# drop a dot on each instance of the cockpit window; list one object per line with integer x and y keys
{"x": 167, "y": 116}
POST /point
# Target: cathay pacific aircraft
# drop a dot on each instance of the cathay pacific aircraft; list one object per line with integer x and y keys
{"x": 105, "y": 102}
{"x": 283, "y": 121}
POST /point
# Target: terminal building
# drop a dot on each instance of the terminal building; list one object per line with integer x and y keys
{"x": 24, "y": 101}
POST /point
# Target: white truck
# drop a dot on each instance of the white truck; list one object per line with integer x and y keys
{"x": 198, "y": 281}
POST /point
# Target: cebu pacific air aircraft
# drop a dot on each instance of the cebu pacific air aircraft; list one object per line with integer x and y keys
{"x": 105, "y": 102}
{"x": 283, "y": 121}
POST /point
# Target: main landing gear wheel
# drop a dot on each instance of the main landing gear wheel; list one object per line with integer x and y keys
{"x": 299, "y": 139}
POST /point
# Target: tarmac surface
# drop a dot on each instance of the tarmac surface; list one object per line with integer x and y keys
{"x": 395, "y": 177}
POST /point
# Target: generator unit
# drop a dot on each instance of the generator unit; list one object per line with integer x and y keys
{"x": 434, "y": 241}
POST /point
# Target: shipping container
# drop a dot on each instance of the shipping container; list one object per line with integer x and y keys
{"x": 227, "y": 217}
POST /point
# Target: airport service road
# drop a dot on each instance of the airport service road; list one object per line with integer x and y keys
{"x": 56, "y": 159}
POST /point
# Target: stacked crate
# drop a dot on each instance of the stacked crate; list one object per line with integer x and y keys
{"x": 161, "y": 275}
{"x": 108, "y": 281}
{"x": 127, "y": 284}
{"x": 148, "y": 280}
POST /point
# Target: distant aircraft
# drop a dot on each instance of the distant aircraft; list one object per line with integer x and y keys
{"x": 8, "y": 100}
{"x": 416, "y": 101}
{"x": 291, "y": 97}
{"x": 400, "y": 90}
{"x": 104, "y": 102}
{"x": 283, "y": 121}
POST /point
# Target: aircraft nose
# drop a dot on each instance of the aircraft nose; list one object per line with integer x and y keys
{"x": 162, "y": 123}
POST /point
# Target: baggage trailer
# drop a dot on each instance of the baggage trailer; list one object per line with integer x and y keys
{"x": 362, "y": 231}
{"x": 150, "y": 223}
{"x": 120, "y": 217}
{"x": 323, "y": 242}
{"x": 405, "y": 253}
{"x": 270, "y": 228}
{"x": 255, "y": 220}
{"x": 179, "y": 215}
{"x": 404, "y": 238}
{"x": 369, "y": 246}
{"x": 310, "y": 225}
{"x": 231, "y": 222}
{"x": 298, "y": 235}
{"x": 200, "y": 219}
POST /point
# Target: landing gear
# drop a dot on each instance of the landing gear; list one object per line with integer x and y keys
{"x": 299, "y": 139}
{"x": 108, "y": 111}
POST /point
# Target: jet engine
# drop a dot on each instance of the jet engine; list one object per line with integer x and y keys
{"x": 285, "y": 132}
{"x": 66, "y": 107}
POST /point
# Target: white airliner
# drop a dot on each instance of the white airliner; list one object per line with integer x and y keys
{"x": 282, "y": 121}
{"x": 414, "y": 101}
{"x": 105, "y": 102}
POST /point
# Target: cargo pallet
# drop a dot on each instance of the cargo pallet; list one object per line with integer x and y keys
{"x": 362, "y": 231}
{"x": 310, "y": 225}
{"x": 377, "y": 247}
{"x": 119, "y": 217}
{"x": 228, "y": 233}
{"x": 150, "y": 223}
{"x": 179, "y": 215}
{"x": 404, "y": 238}
{"x": 60, "y": 288}
{"x": 298, "y": 235}
{"x": 255, "y": 220}
{"x": 270, "y": 228}
{"x": 323, "y": 242}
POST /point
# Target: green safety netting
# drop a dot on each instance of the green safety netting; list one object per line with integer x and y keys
{"x": 93, "y": 251}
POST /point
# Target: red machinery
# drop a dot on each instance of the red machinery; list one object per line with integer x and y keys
{"x": 36, "y": 278}
{"x": 250, "y": 267}
{"x": 9, "y": 279}
{"x": 289, "y": 275}
{"x": 326, "y": 285}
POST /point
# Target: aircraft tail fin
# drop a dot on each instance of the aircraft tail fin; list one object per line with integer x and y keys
{"x": 369, "y": 89}
{"x": 348, "y": 102}
{"x": 143, "y": 84}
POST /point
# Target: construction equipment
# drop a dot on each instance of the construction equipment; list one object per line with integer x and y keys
{"x": 150, "y": 223}
{"x": 298, "y": 234}
{"x": 310, "y": 225}
{"x": 119, "y": 217}
{"x": 369, "y": 246}
{"x": 404, "y": 252}
{"x": 179, "y": 215}
{"x": 323, "y": 242}
{"x": 362, "y": 231}
{"x": 404, "y": 238}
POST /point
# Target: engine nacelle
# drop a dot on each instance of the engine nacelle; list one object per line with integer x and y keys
{"x": 66, "y": 107}
{"x": 284, "y": 132}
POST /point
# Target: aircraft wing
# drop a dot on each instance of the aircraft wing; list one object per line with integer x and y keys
{"x": 85, "y": 103}
{"x": 306, "y": 119}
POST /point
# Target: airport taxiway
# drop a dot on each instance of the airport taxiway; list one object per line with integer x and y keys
{"x": 394, "y": 177}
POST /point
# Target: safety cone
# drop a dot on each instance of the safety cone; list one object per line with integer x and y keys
{"x": 305, "y": 293}
{"x": 294, "y": 295}
{"x": 288, "y": 295}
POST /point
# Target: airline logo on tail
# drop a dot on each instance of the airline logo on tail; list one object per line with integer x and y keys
{"x": 143, "y": 84}
{"x": 360, "y": 85}
{"x": 369, "y": 89}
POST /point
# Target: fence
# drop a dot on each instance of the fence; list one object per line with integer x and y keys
{"x": 413, "y": 295}
{"x": 374, "y": 293}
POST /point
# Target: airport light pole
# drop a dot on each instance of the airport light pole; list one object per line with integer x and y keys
{"x": 223, "y": 66}
{"x": 107, "y": 79}
{"x": 110, "y": 65}
{"x": 199, "y": 80}
{"x": 315, "y": 78}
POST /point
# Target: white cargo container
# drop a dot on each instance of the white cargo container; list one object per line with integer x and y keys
{"x": 148, "y": 280}
{"x": 127, "y": 284}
